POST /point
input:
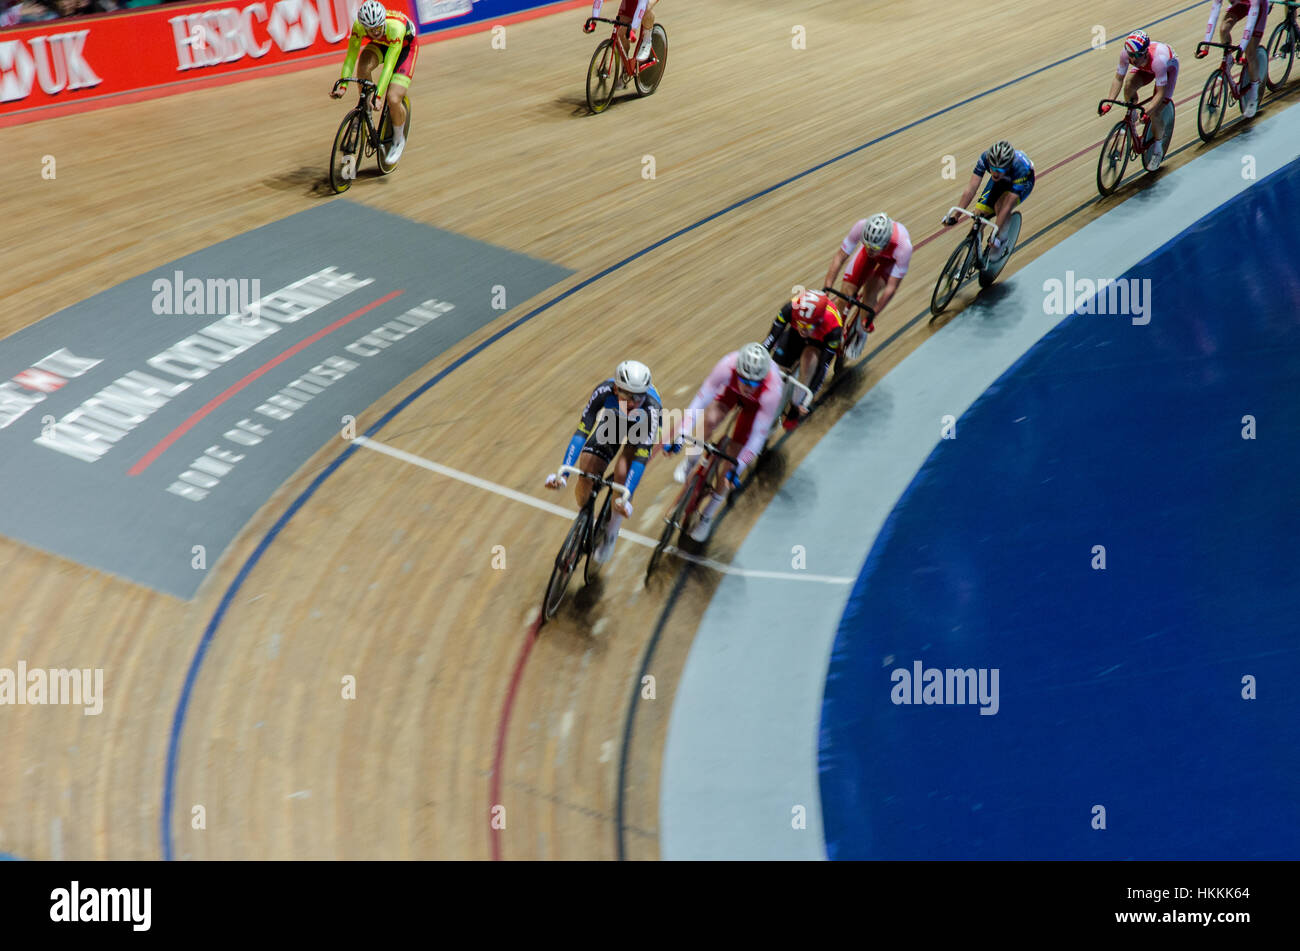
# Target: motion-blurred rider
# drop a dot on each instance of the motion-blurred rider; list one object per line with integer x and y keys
{"x": 1011, "y": 179}
{"x": 399, "y": 37}
{"x": 807, "y": 331}
{"x": 1255, "y": 13}
{"x": 622, "y": 416}
{"x": 884, "y": 249}
{"x": 746, "y": 378}
{"x": 1140, "y": 61}
{"x": 638, "y": 11}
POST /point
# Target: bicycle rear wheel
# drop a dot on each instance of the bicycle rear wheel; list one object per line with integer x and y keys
{"x": 950, "y": 279}
{"x": 1214, "y": 103}
{"x": 591, "y": 570}
{"x": 1281, "y": 56}
{"x": 1113, "y": 160}
{"x": 990, "y": 274}
{"x": 565, "y": 562}
{"x": 345, "y": 156}
{"x": 647, "y": 80}
{"x": 602, "y": 77}
{"x": 386, "y": 136}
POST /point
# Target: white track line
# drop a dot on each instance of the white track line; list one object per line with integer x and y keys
{"x": 367, "y": 443}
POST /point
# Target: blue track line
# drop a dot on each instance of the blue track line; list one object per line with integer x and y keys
{"x": 182, "y": 705}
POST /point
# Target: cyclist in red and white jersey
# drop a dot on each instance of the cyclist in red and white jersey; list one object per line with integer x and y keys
{"x": 639, "y": 12}
{"x": 746, "y": 379}
{"x": 884, "y": 250}
{"x": 1140, "y": 61}
{"x": 397, "y": 36}
{"x": 1255, "y": 13}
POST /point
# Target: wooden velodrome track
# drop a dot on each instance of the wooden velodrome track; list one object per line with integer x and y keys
{"x": 386, "y": 573}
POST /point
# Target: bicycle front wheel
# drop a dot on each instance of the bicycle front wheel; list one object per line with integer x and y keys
{"x": 1113, "y": 159}
{"x": 602, "y": 77}
{"x": 647, "y": 79}
{"x": 1214, "y": 103}
{"x": 1281, "y": 56}
{"x": 565, "y": 563}
{"x": 950, "y": 279}
{"x": 345, "y": 156}
{"x": 674, "y": 521}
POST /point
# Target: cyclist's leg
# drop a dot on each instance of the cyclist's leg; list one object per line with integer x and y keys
{"x": 400, "y": 85}
{"x": 1252, "y": 47}
{"x": 852, "y": 279}
{"x": 1006, "y": 204}
{"x": 647, "y": 25}
{"x": 876, "y": 282}
{"x": 605, "y": 546}
{"x": 594, "y": 458}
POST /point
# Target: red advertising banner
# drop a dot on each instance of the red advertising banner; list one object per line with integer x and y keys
{"x": 75, "y": 60}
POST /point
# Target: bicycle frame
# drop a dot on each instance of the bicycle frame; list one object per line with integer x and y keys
{"x": 367, "y": 89}
{"x": 1225, "y": 67}
{"x": 1137, "y": 138}
{"x": 630, "y": 66}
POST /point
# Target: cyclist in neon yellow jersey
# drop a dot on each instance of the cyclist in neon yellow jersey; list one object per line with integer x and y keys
{"x": 399, "y": 39}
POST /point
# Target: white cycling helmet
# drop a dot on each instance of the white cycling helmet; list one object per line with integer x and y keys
{"x": 1001, "y": 154}
{"x": 753, "y": 362}
{"x": 372, "y": 14}
{"x": 633, "y": 377}
{"x": 878, "y": 231}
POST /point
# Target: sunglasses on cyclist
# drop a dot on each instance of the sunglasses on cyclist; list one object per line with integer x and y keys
{"x": 749, "y": 383}
{"x": 626, "y": 397}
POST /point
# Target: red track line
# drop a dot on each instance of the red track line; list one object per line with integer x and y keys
{"x": 148, "y": 458}
{"x": 499, "y": 758}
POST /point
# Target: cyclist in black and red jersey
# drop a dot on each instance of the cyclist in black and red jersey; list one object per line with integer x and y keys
{"x": 808, "y": 329}
{"x": 399, "y": 38}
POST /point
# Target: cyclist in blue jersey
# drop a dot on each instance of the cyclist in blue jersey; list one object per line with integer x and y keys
{"x": 619, "y": 425}
{"x": 1011, "y": 179}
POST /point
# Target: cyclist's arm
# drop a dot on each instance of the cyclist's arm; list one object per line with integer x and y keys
{"x": 764, "y": 417}
{"x": 640, "y": 12}
{"x": 587, "y": 424}
{"x": 1256, "y": 6}
{"x": 971, "y": 188}
{"x": 847, "y": 247}
{"x": 350, "y": 61}
{"x": 830, "y": 346}
{"x": 778, "y": 326}
{"x": 390, "y": 66}
{"x": 1214, "y": 20}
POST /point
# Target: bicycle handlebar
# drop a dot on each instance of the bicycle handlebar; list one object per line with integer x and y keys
{"x": 799, "y": 386}
{"x": 708, "y": 447}
{"x": 954, "y": 210}
{"x": 614, "y": 486}
{"x": 353, "y": 79}
{"x": 591, "y": 22}
{"x": 1124, "y": 103}
{"x": 1226, "y": 47}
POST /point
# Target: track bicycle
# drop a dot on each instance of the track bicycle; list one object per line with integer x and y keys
{"x": 613, "y": 65}
{"x": 684, "y": 511}
{"x": 971, "y": 258}
{"x": 1222, "y": 87}
{"x": 1125, "y": 141}
{"x": 358, "y": 138}
{"x": 587, "y": 529}
{"x": 1282, "y": 47}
